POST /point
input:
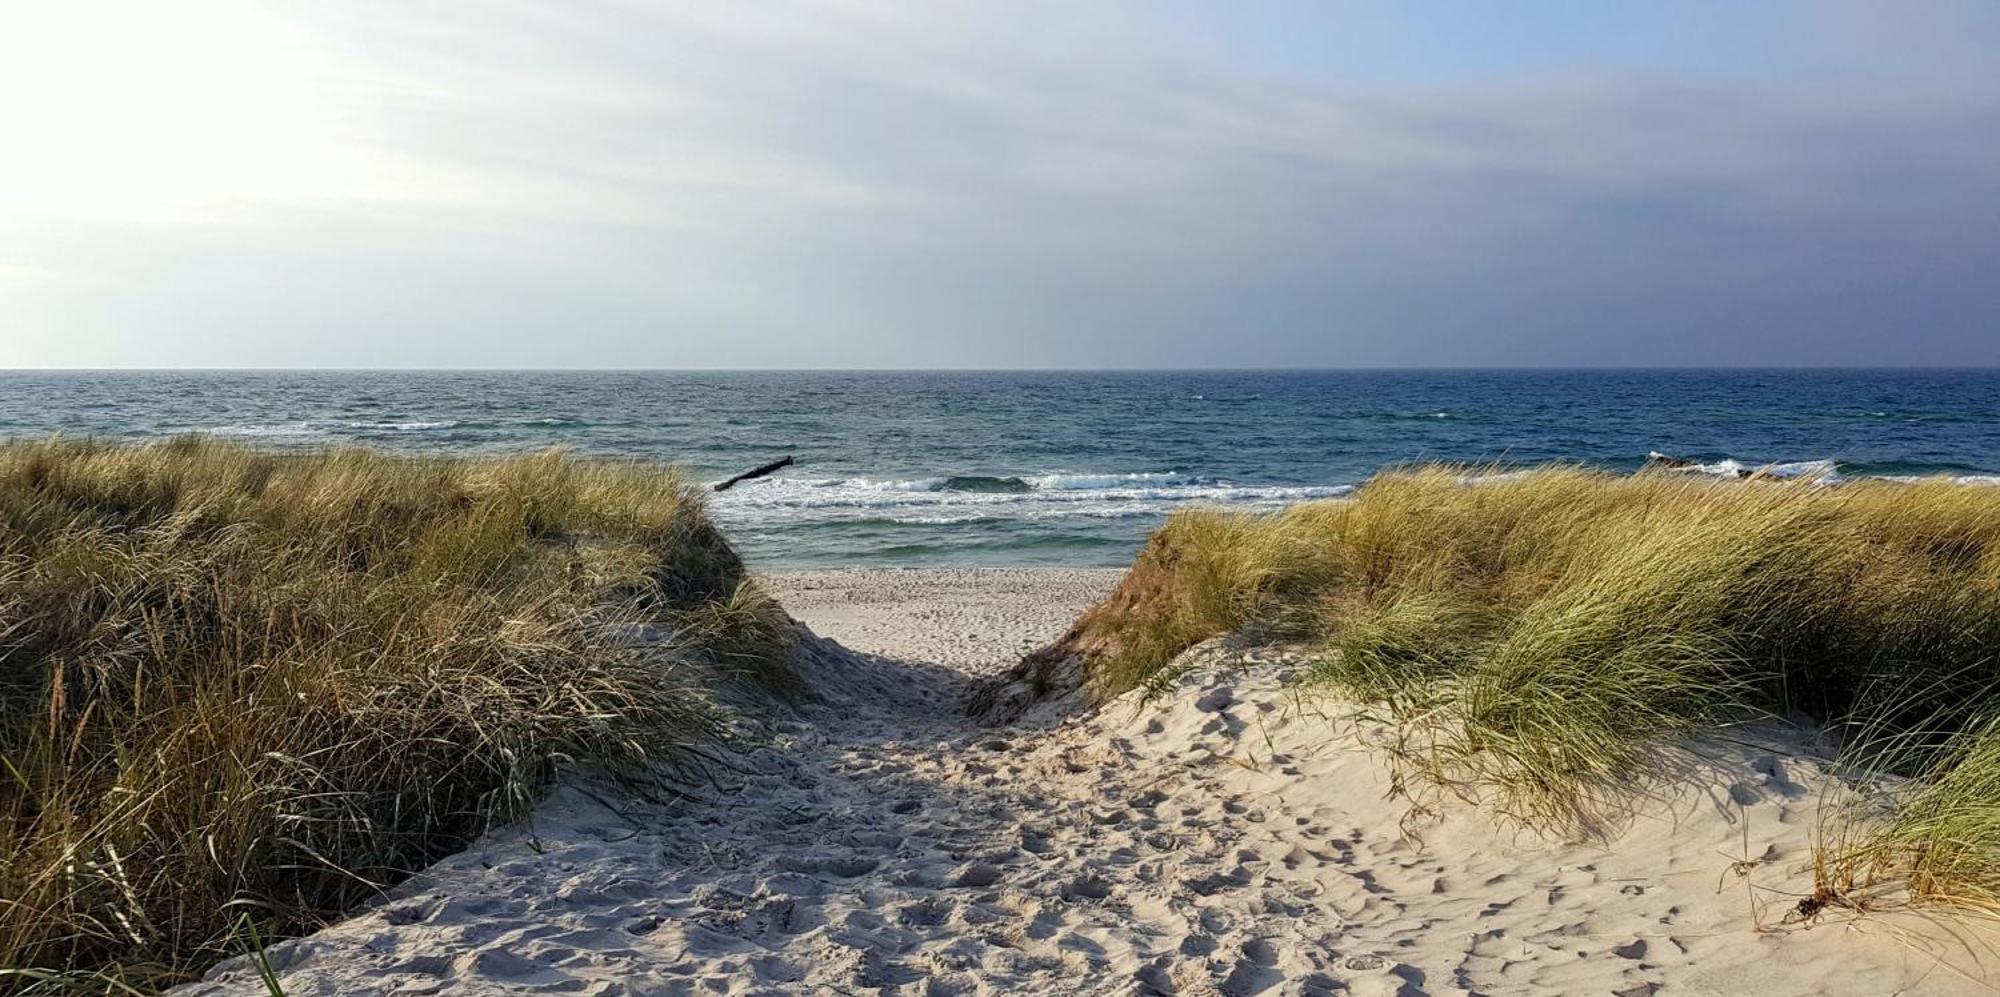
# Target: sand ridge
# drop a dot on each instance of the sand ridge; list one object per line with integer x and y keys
{"x": 1230, "y": 838}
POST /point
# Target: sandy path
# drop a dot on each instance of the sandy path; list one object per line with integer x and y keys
{"x": 1222, "y": 841}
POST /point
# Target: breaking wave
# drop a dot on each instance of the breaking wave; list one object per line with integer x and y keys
{"x": 1825, "y": 472}
{"x": 970, "y": 498}
{"x": 332, "y": 428}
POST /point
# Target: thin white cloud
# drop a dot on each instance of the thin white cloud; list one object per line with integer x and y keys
{"x": 863, "y": 183}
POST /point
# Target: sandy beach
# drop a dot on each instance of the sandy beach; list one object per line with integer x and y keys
{"x": 1226, "y": 838}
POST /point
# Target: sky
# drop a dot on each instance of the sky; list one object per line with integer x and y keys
{"x": 1024, "y": 184}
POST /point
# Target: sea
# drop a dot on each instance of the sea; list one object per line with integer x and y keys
{"x": 1054, "y": 468}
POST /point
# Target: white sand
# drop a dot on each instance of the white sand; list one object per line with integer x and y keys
{"x": 1220, "y": 841}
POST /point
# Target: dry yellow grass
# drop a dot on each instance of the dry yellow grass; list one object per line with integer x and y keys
{"x": 240, "y": 692}
{"x": 1539, "y": 637}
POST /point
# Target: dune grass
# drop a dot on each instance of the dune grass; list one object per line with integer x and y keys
{"x": 1919, "y": 821}
{"x": 1540, "y": 638}
{"x": 241, "y": 693}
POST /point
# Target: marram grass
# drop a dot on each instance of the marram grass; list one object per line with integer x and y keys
{"x": 242, "y": 692}
{"x": 1540, "y": 638}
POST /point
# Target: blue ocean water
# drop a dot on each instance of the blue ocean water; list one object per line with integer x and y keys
{"x": 1051, "y": 468}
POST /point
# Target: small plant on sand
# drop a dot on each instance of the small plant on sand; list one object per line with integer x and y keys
{"x": 241, "y": 692}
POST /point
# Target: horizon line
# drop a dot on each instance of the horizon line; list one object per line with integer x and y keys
{"x": 1453, "y": 368}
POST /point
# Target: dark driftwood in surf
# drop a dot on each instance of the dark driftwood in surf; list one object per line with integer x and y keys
{"x": 771, "y": 468}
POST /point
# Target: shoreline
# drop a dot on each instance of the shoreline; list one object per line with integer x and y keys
{"x": 978, "y": 620}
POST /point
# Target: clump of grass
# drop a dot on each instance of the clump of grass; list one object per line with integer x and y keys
{"x": 1202, "y": 575}
{"x": 1542, "y": 636}
{"x": 746, "y": 635}
{"x": 240, "y": 689}
{"x": 1918, "y": 819}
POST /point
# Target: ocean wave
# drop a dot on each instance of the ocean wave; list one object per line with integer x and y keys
{"x": 1068, "y": 481}
{"x": 292, "y": 429}
{"x": 1976, "y": 480}
{"x": 1427, "y": 415}
{"x": 980, "y": 483}
{"x": 320, "y": 429}
{"x": 933, "y": 519}
{"x": 1826, "y": 472}
{"x": 847, "y": 484}
{"x": 988, "y": 484}
{"x": 962, "y": 498}
{"x": 399, "y": 427}
{"x": 1831, "y": 472}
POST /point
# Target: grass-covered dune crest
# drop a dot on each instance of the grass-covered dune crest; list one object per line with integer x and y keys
{"x": 241, "y": 692}
{"x": 1540, "y": 637}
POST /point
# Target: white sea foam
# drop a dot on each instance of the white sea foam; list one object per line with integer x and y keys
{"x": 398, "y": 427}
{"x": 1977, "y": 480}
{"x": 1810, "y": 470}
{"x": 1047, "y": 496}
{"x": 1825, "y": 472}
{"x": 1075, "y": 481}
{"x": 871, "y": 485}
{"x": 291, "y": 429}
{"x": 315, "y": 429}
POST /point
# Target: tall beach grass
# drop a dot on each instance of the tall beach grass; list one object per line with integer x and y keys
{"x": 242, "y": 692}
{"x": 1540, "y": 638}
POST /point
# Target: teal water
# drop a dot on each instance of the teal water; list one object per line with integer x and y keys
{"x": 1053, "y": 468}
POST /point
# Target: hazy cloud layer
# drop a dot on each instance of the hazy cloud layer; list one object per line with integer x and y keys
{"x": 852, "y": 183}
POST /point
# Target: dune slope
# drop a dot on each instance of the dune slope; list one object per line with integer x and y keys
{"x": 1228, "y": 838}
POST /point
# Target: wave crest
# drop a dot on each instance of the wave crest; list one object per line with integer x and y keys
{"x": 964, "y": 498}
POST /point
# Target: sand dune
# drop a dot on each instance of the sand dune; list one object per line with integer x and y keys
{"x": 1229, "y": 838}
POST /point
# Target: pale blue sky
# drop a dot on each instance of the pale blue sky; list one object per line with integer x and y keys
{"x": 853, "y": 183}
